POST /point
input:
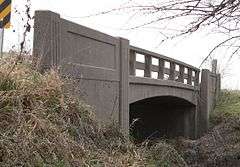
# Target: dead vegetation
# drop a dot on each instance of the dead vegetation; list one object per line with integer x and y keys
{"x": 221, "y": 146}
{"x": 42, "y": 125}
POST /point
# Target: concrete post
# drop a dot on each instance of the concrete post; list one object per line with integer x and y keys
{"x": 47, "y": 39}
{"x": 218, "y": 86}
{"x": 214, "y": 66}
{"x": 172, "y": 71}
{"x": 189, "y": 79}
{"x": 204, "y": 103}
{"x": 161, "y": 69}
{"x": 124, "y": 85}
{"x": 132, "y": 63}
{"x": 181, "y": 74}
{"x": 148, "y": 64}
{"x": 196, "y": 82}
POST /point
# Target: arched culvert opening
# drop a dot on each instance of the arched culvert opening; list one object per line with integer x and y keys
{"x": 164, "y": 116}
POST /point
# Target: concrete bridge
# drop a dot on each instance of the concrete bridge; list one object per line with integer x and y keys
{"x": 167, "y": 100}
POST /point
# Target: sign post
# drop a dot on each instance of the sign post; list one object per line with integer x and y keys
{"x": 5, "y": 17}
{"x": 1, "y": 41}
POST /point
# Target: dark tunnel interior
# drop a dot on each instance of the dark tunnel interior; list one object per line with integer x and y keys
{"x": 160, "y": 117}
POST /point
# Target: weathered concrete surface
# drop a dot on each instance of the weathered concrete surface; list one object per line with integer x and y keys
{"x": 209, "y": 90}
{"x": 100, "y": 65}
{"x": 143, "y": 88}
{"x": 90, "y": 57}
{"x": 165, "y": 106}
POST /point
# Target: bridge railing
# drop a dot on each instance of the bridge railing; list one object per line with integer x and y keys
{"x": 161, "y": 67}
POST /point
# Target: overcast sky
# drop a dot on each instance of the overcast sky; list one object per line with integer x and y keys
{"x": 191, "y": 50}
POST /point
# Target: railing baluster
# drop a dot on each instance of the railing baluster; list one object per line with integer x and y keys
{"x": 161, "y": 69}
{"x": 172, "y": 71}
{"x": 189, "y": 79}
{"x": 148, "y": 64}
{"x": 214, "y": 66}
{"x": 196, "y": 82}
{"x": 132, "y": 63}
{"x": 174, "y": 74}
{"x": 181, "y": 74}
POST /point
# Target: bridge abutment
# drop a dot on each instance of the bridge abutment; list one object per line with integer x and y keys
{"x": 210, "y": 88}
{"x": 190, "y": 122}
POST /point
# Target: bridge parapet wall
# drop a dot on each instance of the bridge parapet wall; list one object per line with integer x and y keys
{"x": 177, "y": 71}
{"x": 97, "y": 62}
{"x": 104, "y": 67}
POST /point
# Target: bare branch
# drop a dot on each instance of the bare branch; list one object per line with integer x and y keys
{"x": 221, "y": 16}
{"x": 216, "y": 47}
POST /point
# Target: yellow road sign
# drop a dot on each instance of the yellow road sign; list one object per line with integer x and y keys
{"x": 5, "y": 13}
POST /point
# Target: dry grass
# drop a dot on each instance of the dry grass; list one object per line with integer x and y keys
{"x": 221, "y": 145}
{"x": 42, "y": 125}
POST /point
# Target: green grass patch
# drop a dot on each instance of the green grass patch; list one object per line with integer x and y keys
{"x": 228, "y": 106}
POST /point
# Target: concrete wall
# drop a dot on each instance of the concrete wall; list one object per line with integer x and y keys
{"x": 98, "y": 63}
{"x": 144, "y": 88}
